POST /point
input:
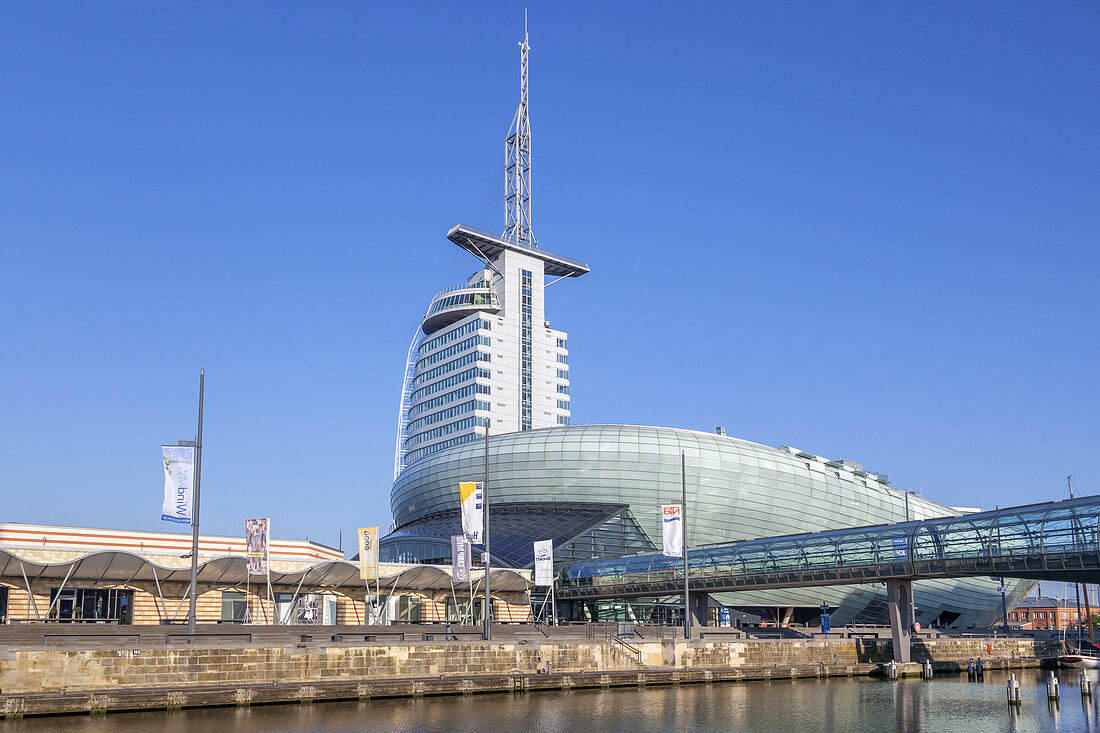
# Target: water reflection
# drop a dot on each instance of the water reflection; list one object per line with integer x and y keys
{"x": 859, "y": 705}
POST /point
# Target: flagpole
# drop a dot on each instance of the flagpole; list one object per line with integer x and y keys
{"x": 195, "y": 520}
{"x": 488, "y": 633}
{"x": 684, "y": 542}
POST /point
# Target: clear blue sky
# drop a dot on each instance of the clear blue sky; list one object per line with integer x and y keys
{"x": 869, "y": 231}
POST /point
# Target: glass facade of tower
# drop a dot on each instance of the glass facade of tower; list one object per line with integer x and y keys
{"x": 486, "y": 356}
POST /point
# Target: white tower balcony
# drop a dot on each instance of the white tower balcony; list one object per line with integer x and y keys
{"x": 454, "y": 304}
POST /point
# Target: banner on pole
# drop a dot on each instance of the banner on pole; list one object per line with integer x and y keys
{"x": 473, "y": 522}
{"x": 672, "y": 530}
{"x": 368, "y": 553}
{"x": 179, "y": 483}
{"x": 257, "y": 533}
{"x": 460, "y": 559}
{"x": 544, "y": 562}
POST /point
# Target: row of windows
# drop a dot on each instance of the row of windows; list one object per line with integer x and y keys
{"x": 421, "y": 452}
{"x": 450, "y": 351}
{"x": 561, "y": 343}
{"x": 450, "y": 366}
{"x": 563, "y": 359}
{"x": 449, "y": 382}
{"x": 452, "y": 427}
{"x": 563, "y": 389}
{"x": 447, "y": 414}
{"x": 563, "y": 374}
{"x": 563, "y": 419}
{"x": 1023, "y": 615}
{"x": 525, "y": 422}
{"x": 452, "y": 335}
{"x": 443, "y": 399}
{"x": 563, "y": 404}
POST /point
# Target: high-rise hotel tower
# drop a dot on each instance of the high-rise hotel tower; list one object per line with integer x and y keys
{"x": 485, "y": 353}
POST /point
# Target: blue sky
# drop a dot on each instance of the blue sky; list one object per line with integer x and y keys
{"x": 865, "y": 230}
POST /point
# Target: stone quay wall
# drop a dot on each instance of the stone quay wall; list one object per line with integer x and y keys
{"x": 37, "y": 671}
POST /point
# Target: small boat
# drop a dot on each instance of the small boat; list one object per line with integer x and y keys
{"x": 1078, "y": 660}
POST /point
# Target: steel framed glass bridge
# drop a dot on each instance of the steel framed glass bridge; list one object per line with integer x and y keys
{"x": 1051, "y": 541}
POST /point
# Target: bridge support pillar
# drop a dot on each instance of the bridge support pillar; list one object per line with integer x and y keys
{"x": 698, "y": 602}
{"x": 900, "y": 602}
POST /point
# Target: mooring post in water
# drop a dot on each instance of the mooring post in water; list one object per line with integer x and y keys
{"x": 980, "y": 668}
{"x": 971, "y": 671}
{"x": 927, "y": 669}
{"x": 892, "y": 670}
{"x": 1013, "y": 690}
{"x": 1086, "y": 685}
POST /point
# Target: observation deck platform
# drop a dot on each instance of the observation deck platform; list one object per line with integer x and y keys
{"x": 488, "y": 246}
{"x": 451, "y": 306}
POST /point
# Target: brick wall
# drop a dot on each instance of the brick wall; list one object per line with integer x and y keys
{"x": 44, "y": 670}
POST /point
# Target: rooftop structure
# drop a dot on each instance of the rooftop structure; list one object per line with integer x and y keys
{"x": 485, "y": 356}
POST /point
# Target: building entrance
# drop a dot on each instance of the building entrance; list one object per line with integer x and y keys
{"x": 3, "y": 605}
{"x": 93, "y": 605}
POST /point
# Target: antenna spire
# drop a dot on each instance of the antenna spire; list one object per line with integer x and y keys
{"x": 517, "y": 161}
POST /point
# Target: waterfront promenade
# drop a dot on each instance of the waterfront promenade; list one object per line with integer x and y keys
{"x": 44, "y": 670}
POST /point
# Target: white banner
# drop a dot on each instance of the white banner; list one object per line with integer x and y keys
{"x": 473, "y": 522}
{"x": 544, "y": 562}
{"x": 672, "y": 530}
{"x": 368, "y": 553}
{"x": 179, "y": 483}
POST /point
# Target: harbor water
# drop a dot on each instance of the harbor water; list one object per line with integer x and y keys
{"x": 947, "y": 703}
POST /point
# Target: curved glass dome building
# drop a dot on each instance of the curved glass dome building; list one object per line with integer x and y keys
{"x": 596, "y": 490}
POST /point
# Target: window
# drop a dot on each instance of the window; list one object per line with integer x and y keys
{"x": 563, "y": 419}
{"x": 408, "y": 609}
{"x": 563, "y": 404}
{"x": 563, "y": 359}
{"x": 452, "y": 335}
{"x": 561, "y": 343}
{"x": 234, "y": 606}
{"x": 452, "y": 350}
{"x": 450, "y": 367}
{"x": 563, "y": 374}
{"x": 563, "y": 389}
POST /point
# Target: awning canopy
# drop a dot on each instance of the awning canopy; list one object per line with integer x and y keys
{"x": 122, "y": 568}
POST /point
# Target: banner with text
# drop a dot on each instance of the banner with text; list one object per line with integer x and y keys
{"x": 179, "y": 483}
{"x": 460, "y": 559}
{"x": 473, "y": 523}
{"x": 257, "y": 536}
{"x": 544, "y": 562}
{"x": 368, "y": 553}
{"x": 672, "y": 530}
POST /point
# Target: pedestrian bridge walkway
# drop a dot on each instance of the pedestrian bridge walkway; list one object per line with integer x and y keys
{"x": 1051, "y": 541}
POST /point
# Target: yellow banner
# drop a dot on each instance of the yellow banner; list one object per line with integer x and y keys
{"x": 368, "y": 553}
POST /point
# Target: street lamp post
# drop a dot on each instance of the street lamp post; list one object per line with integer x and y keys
{"x": 488, "y": 630}
{"x": 197, "y": 443}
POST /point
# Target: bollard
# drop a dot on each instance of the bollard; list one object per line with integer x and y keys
{"x": 980, "y": 668}
{"x": 1052, "y": 687}
{"x": 892, "y": 670}
{"x": 1013, "y": 690}
{"x": 927, "y": 669}
{"x": 970, "y": 667}
{"x": 1086, "y": 685}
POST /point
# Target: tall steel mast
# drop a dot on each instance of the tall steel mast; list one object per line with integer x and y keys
{"x": 517, "y": 162}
